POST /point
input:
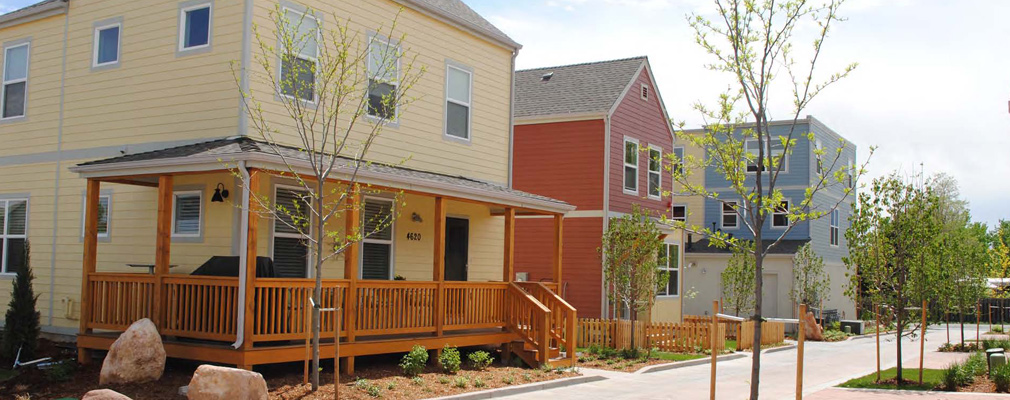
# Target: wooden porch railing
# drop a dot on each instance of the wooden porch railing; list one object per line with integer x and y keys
{"x": 117, "y": 300}
{"x": 474, "y": 305}
{"x": 200, "y": 307}
{"x": 530, "y": 319}
{"x": 395, "y": 307}
{"x": 563, "y": 316}
{"x": 281, "y": 306}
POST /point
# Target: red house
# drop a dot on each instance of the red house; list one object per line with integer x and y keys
{"x": 592, "y": 135}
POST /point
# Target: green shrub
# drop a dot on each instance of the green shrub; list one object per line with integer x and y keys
{"x": 374, "y": 391}
{"x": 413, "y": 363}
{"x": 593, "y": 349}
{"x": 460, "y": 382}
{"x": 607, "y": 352}
{"x": 449, "y": 360}
{"x": 417, "y": 380}
{"x": 1001, "y": 377}
{"x": 630, "y": 354}
{"x": 507, "y": 379}
{"x": 368, "y": 387}
{"x": 997, "y": 329}
{"x": 443, "y": 380}
{"x": 62, "y": 371}
{"x": 976, "y": 365}
{"x": 478, "y": 383}
{"x": 480, "y": 360}
{"x": 955, "y": 376}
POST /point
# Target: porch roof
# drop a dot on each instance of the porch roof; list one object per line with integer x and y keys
{"x": 226, "y": 153}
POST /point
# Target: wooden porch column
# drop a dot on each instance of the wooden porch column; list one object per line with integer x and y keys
{"x": 352, "y": 224}
{"x": 252, "y": 241}
{"x": 90, "y": 262}
{"x": 438, "y": 264}
{"x": 508, "y": 273}
{"x": 558, "y": 243}
{"x": 163, "y": 245}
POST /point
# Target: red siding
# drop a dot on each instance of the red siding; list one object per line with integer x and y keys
{"x": 562, "y": 160}
{"x": 580, "y": 263}
{"x": 642, "y": 120}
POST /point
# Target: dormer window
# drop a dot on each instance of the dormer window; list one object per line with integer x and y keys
{"x": 645, "y": 92}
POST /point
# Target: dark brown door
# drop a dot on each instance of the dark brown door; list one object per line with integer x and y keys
{"x": 457, "y": 244}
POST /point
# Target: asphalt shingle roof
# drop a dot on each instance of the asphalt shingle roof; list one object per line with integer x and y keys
{"x": 461, "y": 12}
{"x": 784, "y": 247}
{"x": 231, "y": 148}
{"x": 573, "y": 89}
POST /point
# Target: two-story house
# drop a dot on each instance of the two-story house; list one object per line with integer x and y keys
{"x": 595, "y": 136}
{"x": 826, "y": 235}
{"x": 124, "y": 131}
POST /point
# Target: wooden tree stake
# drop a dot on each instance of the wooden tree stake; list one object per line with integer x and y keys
{"x": 876, "y": 313}
{"x": 712, "y": 347}
{"x": 800, "y": 336}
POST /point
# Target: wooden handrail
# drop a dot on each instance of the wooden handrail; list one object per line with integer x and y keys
{"x": 562, "y": 325}
{"x": 530, "y": 319}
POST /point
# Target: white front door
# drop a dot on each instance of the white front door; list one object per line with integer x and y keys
{"x": 770, "y": 296}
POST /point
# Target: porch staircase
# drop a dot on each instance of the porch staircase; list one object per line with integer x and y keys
{"x": 543, "y": 322}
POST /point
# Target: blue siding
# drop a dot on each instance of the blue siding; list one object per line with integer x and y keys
{"x": 824, "y": 199}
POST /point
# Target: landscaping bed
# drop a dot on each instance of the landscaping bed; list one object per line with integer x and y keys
{"x": 972, "y": 375}
{"x": 285, "y": 380}
{"x": 628, "y": 361}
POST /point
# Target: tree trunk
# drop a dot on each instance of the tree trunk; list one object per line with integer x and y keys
{"x": 317, "y": 291}
{"x": 960, "y": 318}
{"x": 755, "y": 370}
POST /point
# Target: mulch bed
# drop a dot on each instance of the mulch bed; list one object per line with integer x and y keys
{"x": 982, "y": 384}
{"x": 620, "y": 364}
{"x": 284, "y": 380}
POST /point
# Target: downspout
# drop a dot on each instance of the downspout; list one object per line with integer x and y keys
{"x": 606, "y": 209}
{"x": 242, "y": 255}
{"x": 512, "y": 117}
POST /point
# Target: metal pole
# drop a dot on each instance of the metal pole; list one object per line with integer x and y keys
{"x": 800, "y": 336}
{"x": 712, "y": 346}
{"x": 922, "y": 341}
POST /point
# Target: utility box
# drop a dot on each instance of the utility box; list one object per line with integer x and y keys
{"x": 856, "y": 327}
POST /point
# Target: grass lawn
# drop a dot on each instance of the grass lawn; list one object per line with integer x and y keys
{"x": 731, "y": 345}
{"x": 931, "y": 379}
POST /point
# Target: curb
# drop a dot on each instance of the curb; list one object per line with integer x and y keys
{"x": 527, "y": 388}
{"x": 778, "y": 349}
{"x": 919, "y": 392}
{"x": 690, "y": 363}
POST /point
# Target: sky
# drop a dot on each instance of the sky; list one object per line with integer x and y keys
{"x": 931, "y": 92}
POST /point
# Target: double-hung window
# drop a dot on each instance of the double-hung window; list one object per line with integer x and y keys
{"x": 780, "y": 217}
{"x": 383, "y": 78}
{"x": 14, "y": 95}
{"x": 298, "y": 55}
{"x": 13, "y": 234}
{"x": 187, "y": 214}
{"x": 106, "y": 51}
{"x": 851, "y": 173}
{"x": 773, "y": 151}
{"x": 678, "y": 213}
{"x": 458, "y": 97}
{"x": 833, "y": 228}
{"x": 729, "y": 215}
{"x": 679, "y": 166}
{"x": 655, "y": 178}
{"x": 290, "y": 249}
{"x": 104, "y": 210}
{"x": 194, "y": 26}
{"x": 377, "y": 244}
{"x": 669, "y": 257}
{"x": 818, "y": 158}
{"x": 630, "y": 166}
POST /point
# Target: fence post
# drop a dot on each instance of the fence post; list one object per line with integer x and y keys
{"x": 712, "y": 346}
{"x": 800, "y": 336}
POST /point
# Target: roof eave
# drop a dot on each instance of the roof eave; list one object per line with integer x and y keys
{"x": 564, "y": 117}
{"x": 450, "y": 19}
{"x": 210, "y": 163}
{"x": 33, "y": 13}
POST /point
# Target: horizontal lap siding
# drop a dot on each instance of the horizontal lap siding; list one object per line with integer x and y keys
{"x": 562, "y": 160}
{"x": 38, "y": 131}
{"x": 642, "y": 120}
{"x": 581, "y": 266}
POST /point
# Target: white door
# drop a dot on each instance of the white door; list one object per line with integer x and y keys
{"x": 770, "y": 296}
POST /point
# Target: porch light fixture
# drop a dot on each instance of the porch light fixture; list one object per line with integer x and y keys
{"x": 416, "y": 217}
{"x": 220, "y": 193}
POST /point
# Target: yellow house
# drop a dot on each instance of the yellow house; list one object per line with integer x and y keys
{"x": 123, "y": 125}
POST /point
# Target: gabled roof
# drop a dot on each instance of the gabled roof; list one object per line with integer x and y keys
{"x": 589, "y": 88}
{"x": 32, "y": 12}
{"x": 457, "y": 11}
{"x": 215, "y": 154}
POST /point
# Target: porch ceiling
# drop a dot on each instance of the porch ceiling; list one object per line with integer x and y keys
{"x": 223, "y": 154}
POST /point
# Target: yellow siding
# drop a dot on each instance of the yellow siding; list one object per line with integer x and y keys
{"x": 695, "y": 204}
{"x": 38, "y": 132}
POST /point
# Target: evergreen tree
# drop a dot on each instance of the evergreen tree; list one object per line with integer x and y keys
{"x": 21, "y": 324}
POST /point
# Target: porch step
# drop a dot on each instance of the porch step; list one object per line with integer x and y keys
{"x": 529, "y": 355}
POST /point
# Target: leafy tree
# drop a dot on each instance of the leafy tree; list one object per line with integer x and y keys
{"x": 631, "y": 248}
{"x": 810, "y": 283}
{"x": 753, "y": 42}
{"x": 738, "y": 281}
{"x": 323, "y": 103}
{"x": 893, "y": 242}
{"x": 999, "y": 252}
{"x": 21, "y": 323}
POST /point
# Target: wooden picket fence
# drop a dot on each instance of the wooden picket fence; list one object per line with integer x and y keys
{"x": 665, "y": 336}
{"x": 771, "y": 333}
{"x": 732, "y": 327}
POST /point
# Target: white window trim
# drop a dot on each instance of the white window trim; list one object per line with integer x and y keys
{"x": 768, "y": 153}
{"x": 119, "y": 44}
{"x": 624, "y": 161}
{"x": 5, "y": 82}
{"x": 658, "y": 172}
{"x": 683, "y": 154}
{"x": 834, "y": 223}
{"x": 852, "y": 172}
{"x": 468, "y": 105}
{"x": 108, "y": 216}
{"x": 395, "y": 82}
{"x": 175, "y": 199}
{"x": 737, "y": 214}
{"x": 4, "y": 236}
{"x": 672, "y": 217}
{"x": 818, "y": 168}
{"x": 182, "y": 25}
{"x": 314, "y": 59}
{"x": 671, "y": 270}
{"x": 309, "y": 271}
{"x": 392, "y": 237}
{"x": 789, "y": 205}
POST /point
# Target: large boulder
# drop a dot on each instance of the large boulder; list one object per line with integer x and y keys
{"x": 104, "y": 394}
{"x": 812, "y": 330}
{"x": 137, "y": 356}
{"x": 221, "y": 383}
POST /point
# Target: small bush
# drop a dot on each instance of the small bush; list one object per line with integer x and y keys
{"x": 413, "y": 363}
{"x": 997, "y": 329}
{"x": 478, "y": 383}
{"x": 480, "y": 360}
{"x": 507, "y": 379}
{"x": 629, "y": 354}
{"x": 607, "y": 352}
{"x": 527, "y": 377}
{"x": 1001, "y": 377}
{"x": 460, "y": 382}
{"x": 976, "y": 365}
{"x": 443, "y": 380}
{"x": 391, "y": 386}
{"x": 374, "y": 391}
{"x": 955, "y": 376}
{"x": 593, "y": 349}
{"x": 449, "y": 360}
{"x": 368, "y": 387}
{"x": 417, "y": 380}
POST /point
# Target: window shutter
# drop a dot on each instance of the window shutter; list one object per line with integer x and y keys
{"x": 377, "y": 215}
{"x": 375, "y": 260}
{"x": 187, "y": 214}
{"x": 291, "y": 256}
{"x": 18, "y": 218}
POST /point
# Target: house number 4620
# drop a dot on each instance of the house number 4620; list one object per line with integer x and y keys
{"x": 413, "y": 236}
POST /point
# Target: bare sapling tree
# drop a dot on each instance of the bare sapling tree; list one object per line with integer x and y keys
{"x": 753, "y": 43}
{"x": 632, "y": 256}
{"x": 321, "y": 93}
{"x": 811, "y": 284}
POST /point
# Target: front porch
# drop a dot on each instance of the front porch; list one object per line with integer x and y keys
{"x": 262, "y": 317}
